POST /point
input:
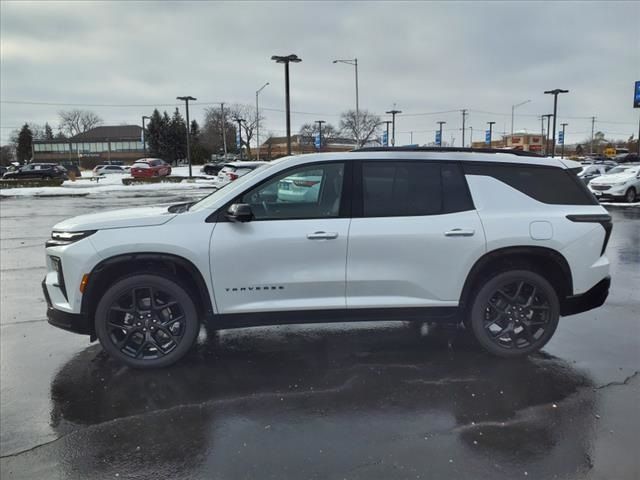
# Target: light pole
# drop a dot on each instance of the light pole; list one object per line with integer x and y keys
{"x": 320, "y": 122}
{"x": 563, "y": 140}
{"x": 555, "y": 94}
{"x": 546, "y": 143}
{"x": 239, "y": 120}
{"x": 393, "y": 114}
{"x": 286, "y": 60}
{"x": 464, "y": 116}
{"x": 441, "y": 123}
{"x": 144, "y": 134}
{"x": 491, "y": 124}
{"x": 258, "y": 122}
{"x": 186, "y": 102}
{"x": 387, "y": 122}
{"x": 354, "y": 62}
{"x": 513, "y": 109}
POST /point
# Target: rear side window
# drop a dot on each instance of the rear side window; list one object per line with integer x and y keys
{"x": 549, "y": 185}
{"x": 399, "y": 189}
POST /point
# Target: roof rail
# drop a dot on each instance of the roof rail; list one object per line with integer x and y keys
{"x": 520, "y": 153}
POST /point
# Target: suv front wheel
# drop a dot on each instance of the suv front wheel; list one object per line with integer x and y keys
{"x": 146, "y": 321}
{"x": 514, "y": 313}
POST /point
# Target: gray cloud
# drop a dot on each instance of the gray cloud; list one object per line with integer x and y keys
{"x": 424, "y": 57}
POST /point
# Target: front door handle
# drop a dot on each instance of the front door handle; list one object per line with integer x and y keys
{"x": 459, "y": 232}
{"x": 322, "y": 235}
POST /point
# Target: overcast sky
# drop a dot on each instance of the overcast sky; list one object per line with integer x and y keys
{"x": 423, "y": 57}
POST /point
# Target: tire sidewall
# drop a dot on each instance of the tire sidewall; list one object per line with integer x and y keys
{"x": 630, "y": 198}
{"x": 485, "y": 292}
{"x": 124, "y": 285}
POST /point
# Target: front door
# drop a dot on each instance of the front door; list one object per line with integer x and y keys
{"x": 292, "y": 254}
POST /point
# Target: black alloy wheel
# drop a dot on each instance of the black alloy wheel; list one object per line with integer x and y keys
{"x": 146, "y": 321}
{"x": 515, "y": 313}
{"x": 630, "y": 196}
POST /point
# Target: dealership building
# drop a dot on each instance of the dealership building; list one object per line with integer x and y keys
{"x": 122, "y": 143}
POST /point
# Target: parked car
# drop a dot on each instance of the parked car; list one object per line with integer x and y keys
{"x": 43, "y": 171}
{"x": 150, "y": 167}
{"x": 622, "y": 182}
{"x": 393, "y": 234}
{"x": 596, "y": 157}
{"x": 627, "y": 158}
{"x": 212, "y": 168}
{"x": 3, "y": 170}
{"x": 109, "y": 169}
{"x": 233, "y": 170}
{"x": 591, "y": 171}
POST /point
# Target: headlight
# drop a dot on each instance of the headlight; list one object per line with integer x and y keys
{"x": 66, "y": 238}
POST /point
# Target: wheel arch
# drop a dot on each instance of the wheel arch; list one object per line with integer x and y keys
{"x": 547, "y": 262}
{"x": 113, "y": 268}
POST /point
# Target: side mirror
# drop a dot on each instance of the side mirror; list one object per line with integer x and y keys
{"x": 240, "y": 212}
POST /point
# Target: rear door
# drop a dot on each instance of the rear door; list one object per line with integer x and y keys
{"x": 292, "y": 255}
{"x": 414, "y": 235}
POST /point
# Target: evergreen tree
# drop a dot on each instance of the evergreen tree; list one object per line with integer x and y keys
{"x": 178, "y": 137}
{"x": 156, "y": 133}
{"x": 48, "y": 132}
{"x": 25, "y": 141}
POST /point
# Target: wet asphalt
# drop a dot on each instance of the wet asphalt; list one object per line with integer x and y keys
{"x": 342, "y": 401}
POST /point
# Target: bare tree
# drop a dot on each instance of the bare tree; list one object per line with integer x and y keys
{"x": 74, "y": 122}
{"x": 249, "y": 125}
{"x": 364, "y": 130}
{"x": 308, "y": 132}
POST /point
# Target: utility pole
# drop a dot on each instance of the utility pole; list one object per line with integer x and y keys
{"x": 258, "y": 122}
{"x": 393, "y": 114}
{"x": 546, "y": 143}
{"x": 387, "y": 122}
{"x": 555, "y": 94}
{"x": 564, "y": 140}
{"x": 240, "y": 120}
{"x": 223, "y": 121}
{"x": 490, "y": 131}
{"x": 144, "y": 134}
{"x": 186, "y": 101}
{"x": 464, "y": 116}
{"x": 471, "y": 137}
{"x": 320, "y": 122}
{"x": 286, "y": 60}
{"x": 441, "y": 123}
{"x": 593, "y": 125}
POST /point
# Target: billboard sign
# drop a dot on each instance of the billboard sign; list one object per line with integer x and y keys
{"x": 316, "y": 141}
{"x": 385, "y": 139}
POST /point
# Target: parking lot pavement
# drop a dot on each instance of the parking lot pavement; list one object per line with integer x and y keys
{"x": 340, "y": 401}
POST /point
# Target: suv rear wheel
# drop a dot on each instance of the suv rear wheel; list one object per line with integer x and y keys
{"x": 630, "y": 196}
{"x": 514, "y": 313}
{"x": 146, "y": 321}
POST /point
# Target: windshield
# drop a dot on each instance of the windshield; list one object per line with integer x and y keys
{"x": 210, "y": 200}
{"x": 617, "y": 170}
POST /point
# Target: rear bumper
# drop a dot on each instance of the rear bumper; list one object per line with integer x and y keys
{"x": 72, "y": 322}
{"x": 593, "y": 298}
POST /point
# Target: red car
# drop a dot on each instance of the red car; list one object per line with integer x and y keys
{"x": 150, "y": 167}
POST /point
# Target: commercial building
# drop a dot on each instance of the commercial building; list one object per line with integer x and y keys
{"x": 276, "y": 147}
{"x": 122, "y": 143}
{"x": 529, "y": 142}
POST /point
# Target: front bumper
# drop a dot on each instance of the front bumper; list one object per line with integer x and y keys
{"x": 73, "y": 322}
{"x": 593, "y": 298}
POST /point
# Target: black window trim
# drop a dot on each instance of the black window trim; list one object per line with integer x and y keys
{"x": 358, "y": 192}
{"x": 346, "y": 201}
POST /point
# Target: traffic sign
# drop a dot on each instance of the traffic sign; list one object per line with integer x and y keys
{"x": 438, "y": 138}
{"x": 487, "y": 137}
{"x": 316, "y": 142}
{"x": 560, "y": 137}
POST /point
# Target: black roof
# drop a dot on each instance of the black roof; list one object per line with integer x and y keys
{"x": 105, "y": 133}
{"x": 520, "y": 153}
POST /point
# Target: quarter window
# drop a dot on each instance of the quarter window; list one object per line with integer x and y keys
{"x": 306, "y": 192}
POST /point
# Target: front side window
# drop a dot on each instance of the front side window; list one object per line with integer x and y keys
{"x": 306, "y": 192}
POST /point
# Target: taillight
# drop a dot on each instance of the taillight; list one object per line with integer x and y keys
{"x": 304, "y": 183}
{"x": 232, "y": 176}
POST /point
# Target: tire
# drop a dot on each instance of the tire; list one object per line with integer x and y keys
{"x": 514, "y": 313}
{"x": 145, "y": 333}
{"x": 630, "y": 195}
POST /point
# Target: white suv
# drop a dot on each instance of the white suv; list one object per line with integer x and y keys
{"x": 500, "y": 242}
{"x": 622, "y": 182}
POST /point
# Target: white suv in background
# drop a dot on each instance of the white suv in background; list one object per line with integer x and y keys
{"x": 622, "y": 182}
{"x": 500, "y": 242}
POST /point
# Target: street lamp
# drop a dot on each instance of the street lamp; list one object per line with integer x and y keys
{"x": 563, "y": 140}
{"x": 144, "y": 135}
{"x": 546, "y": 143}
{"x": 513, "y": 109}
{"x": 440, "y": 142}
{"x": 393, "y": 114}
{"x": 258, "y": 122}
{"x": 320, "y": 122}
{"x": 186, "y": 102}
{"x": 491, "y": 124}
{"x": 239, "y": 120}
{"x": 286, "y": 60}
{"x": 555, "y": 94}
{"x": 354, "y": 62}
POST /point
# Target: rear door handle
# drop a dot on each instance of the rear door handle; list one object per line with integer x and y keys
{"x": 322, "y": 235}
{"x": 459, "y": 232}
